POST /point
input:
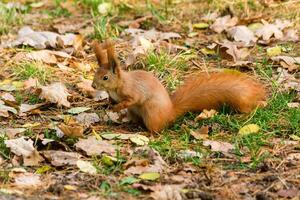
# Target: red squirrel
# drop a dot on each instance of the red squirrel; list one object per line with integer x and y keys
{"x": 147, "y": 100}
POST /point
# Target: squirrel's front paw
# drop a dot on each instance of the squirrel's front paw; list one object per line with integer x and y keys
{"x": 117, "y": 108}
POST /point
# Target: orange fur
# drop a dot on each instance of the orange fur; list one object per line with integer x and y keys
{"x": 147, "y": 99}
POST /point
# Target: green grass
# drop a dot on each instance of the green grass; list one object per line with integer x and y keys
{"x": 58, "y": 10}
{"x": 104, "y": 29}
{"x": 10, "y": 17}
{"x": 26, "y": 70}
{"x": 4, "y": 151}
{"x": 169, "y": 68}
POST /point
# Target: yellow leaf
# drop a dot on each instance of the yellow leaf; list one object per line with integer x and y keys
{"x": 150, "y": 176}
{"x": 200, "y": 25}
{"x": 85, "y": 166}
{"x": 30, "y": 125}
{"x": 207, "y": 51}
{"x": 108, "y": 160}
{"x": 70, "y": 187}
{"x": 250, "y": 128}
{"x": 139, "y": 140}
{"x": 274, "y": 51}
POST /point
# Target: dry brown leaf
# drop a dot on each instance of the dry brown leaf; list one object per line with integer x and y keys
{"x": 41, "y": 39}
{"x": 27, "y": 107}
{"x": 71, "y": 129}
{"x": 223, "y": 23}
{"x": 219, "y": 146}
{"x": 56, "y": 93}
{"x": 7, "y": 97}
{"x": 242, "y": 34}
{"x": 206, "y": 114}
{"x": 92, "y": 146}
{"x": 87, "y": 118}
{"x": 30, "y": 83}
{"x": 268, "y": 30}
{"x": 61, "y": 158}
{"x": 28, "y": 180}
{"x": 168, "y": 192}
{"x": 20, "y": 146}
{"x": 4, "y": 110}
{"x": 288, "y": 193}
{"x": 12, "y": 132}
{"x": 85, "y": 67}
{"x": 230, "y": 51}
{"x": 201, "y": 133}
{"x": 34, "y": 159}
{"x": 136, "y": 167}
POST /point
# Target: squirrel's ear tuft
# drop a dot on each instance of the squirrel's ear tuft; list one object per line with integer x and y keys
{"x": 113, "y": 61}
{"x": 101, "y": 54}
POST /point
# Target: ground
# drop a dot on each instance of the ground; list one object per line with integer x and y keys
{"x": 59, "y": 138}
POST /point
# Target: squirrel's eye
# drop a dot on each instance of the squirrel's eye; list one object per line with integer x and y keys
{"x": 105, "y": 78}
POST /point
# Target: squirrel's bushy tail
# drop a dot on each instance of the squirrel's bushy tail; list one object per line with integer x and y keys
{"x": 212, "y": 90}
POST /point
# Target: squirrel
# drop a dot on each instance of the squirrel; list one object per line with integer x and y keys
{"x": 147, "y": 100}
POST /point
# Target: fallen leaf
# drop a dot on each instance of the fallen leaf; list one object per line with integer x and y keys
{"x": 139, "y": 140}
{"x": 149, "y": 176}
{"x": 72, "y": 129}
{"x": 34, "y": 159}
{"x": 223, "y": 23}
{"x": 294, "y": 105}
{"x": 84, "y": 67}
{"x": 43, "y": 169}
{"x": 201, "y": 133}
{"x": 86, "y": 167}
{"x": 120, "y": 136}
{"x": 27, "y": 107}
{"x": 4, "y": 110}
{"x": 288, "y": 193}
{"x": 56, "y": 93}
{"x": 28, "y": 180}
{"x": 274, "y": 51}
{"x": 70, "y": 187}
{"x": 128, "y": 180}
{"x": 113, "y": 116}
{"x": 9, "y": 85}
{"x": 12, "y": 132}
{"x": 78, "y": 110}
{"x": 46, "y": 56}
{"x": 41, "y": 39}
{"x": 20, "y": 146}
{"x": 242, "y": 34}
{"x": 200, "y": 25}
{"x": 219, "y": 146}
{"x": 255, "y": 26}
{"x": 189, "y": 154}
{"x": 92, "y": 146}
{"x": 61, "y": 158}
{"x": 287, "y": 59}
{"x": 31, "y": 125}
{"x": 229, "y": 50}
{"x": 157, "y": 164}
{"x": 108, "y": 160}
{"x": 268, "y": 30}
{"x": 87, "y": 118}
{"x": 30, "y": 83}
{"x": 248, "y": 129}
{"x": 206, "y": 114}
{"x": 168, "y": 192}
{"x": 7, "y": 97}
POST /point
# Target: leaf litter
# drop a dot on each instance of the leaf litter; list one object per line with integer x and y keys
{"x": 231, "y": 37}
